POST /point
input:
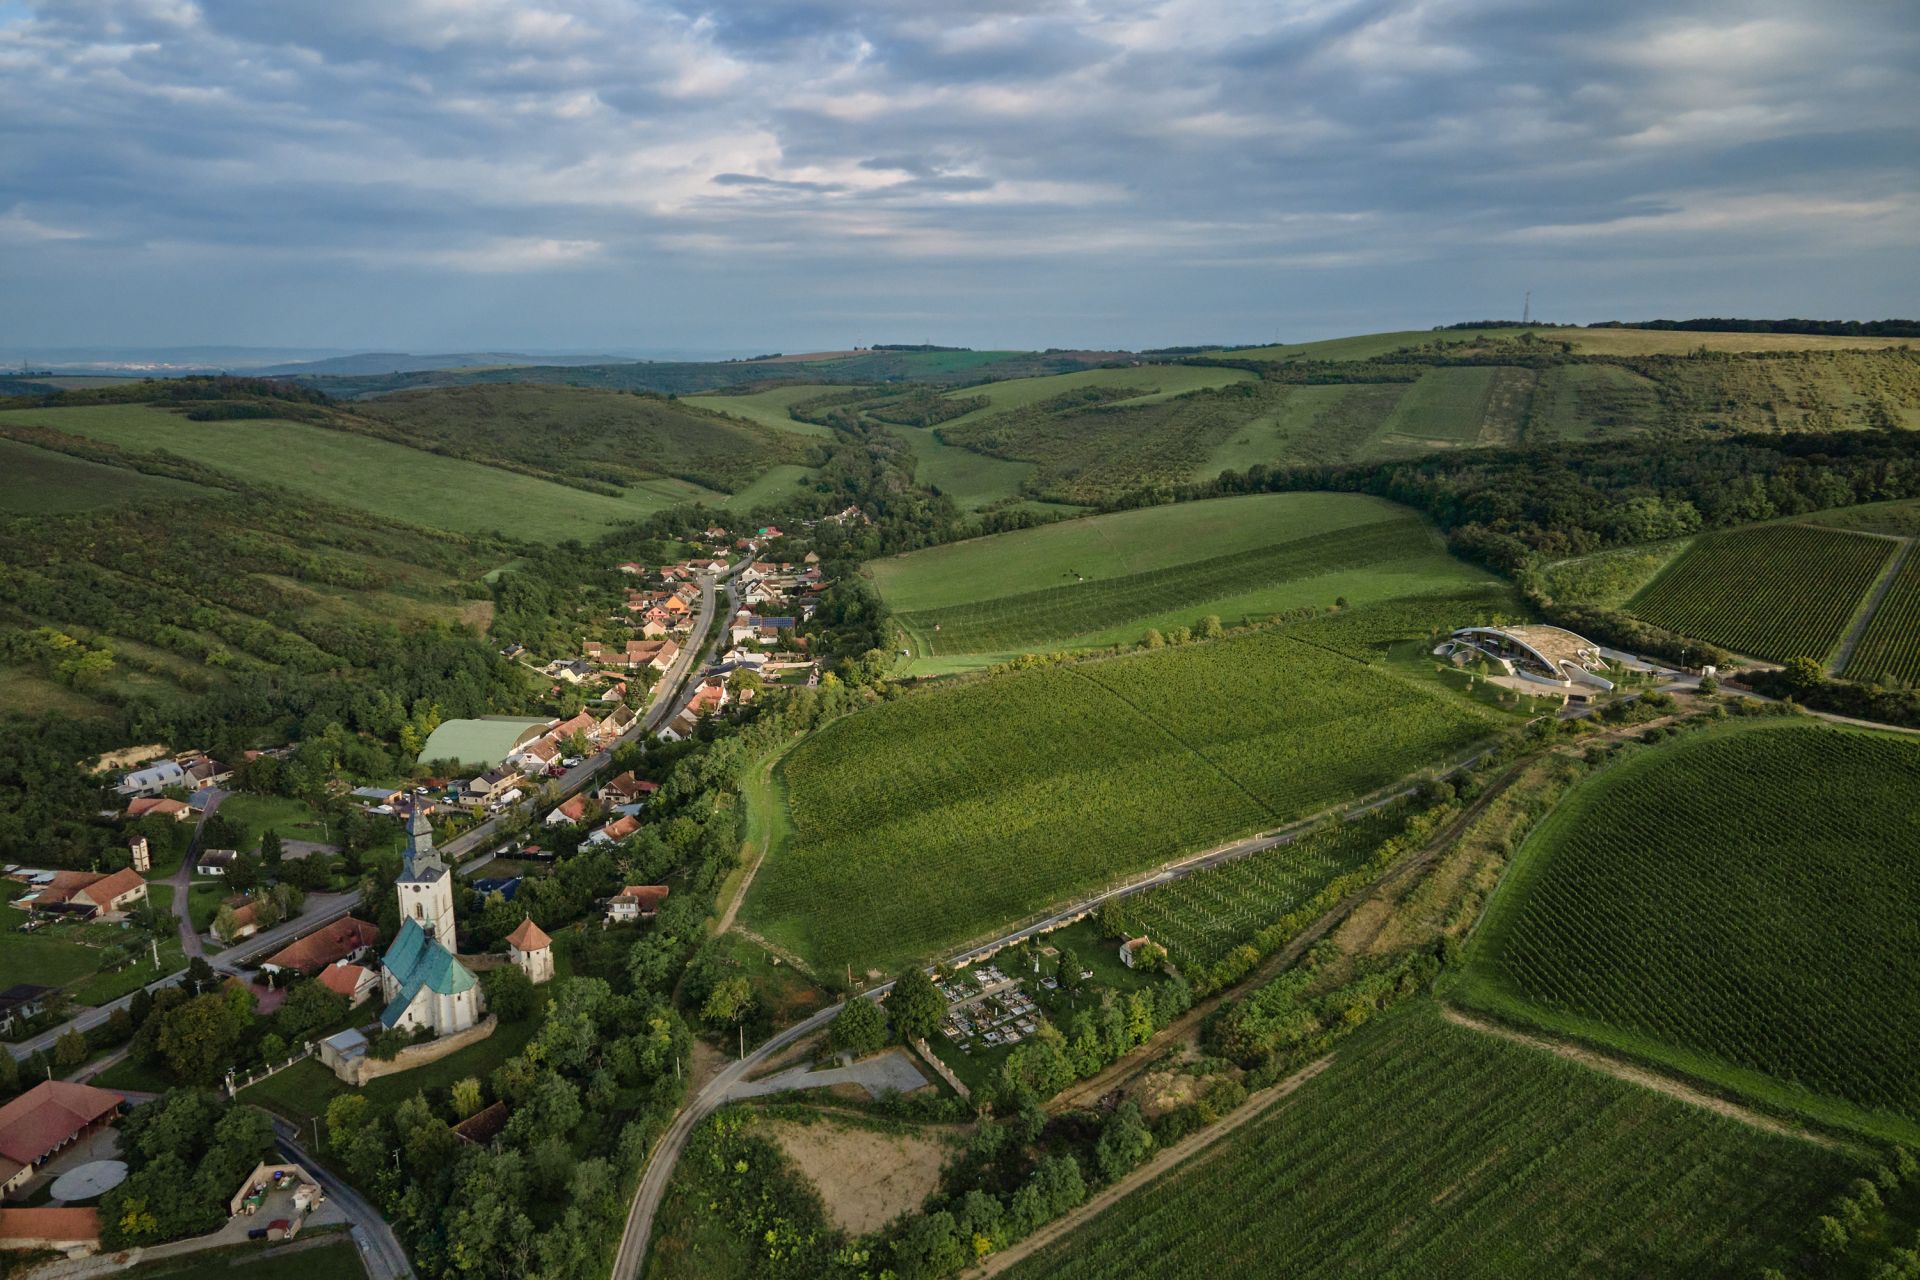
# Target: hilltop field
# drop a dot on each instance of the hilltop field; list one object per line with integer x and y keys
{"x": 1108, "y": 579}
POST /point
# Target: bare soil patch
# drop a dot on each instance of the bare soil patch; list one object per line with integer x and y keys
{"x": 866, "y": 1179}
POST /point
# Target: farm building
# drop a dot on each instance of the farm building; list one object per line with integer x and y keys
{"x": 1549, "y": 655}
{"x": 637, "y": 902}
{"x": 488, "y": 740}
{"x": 45, "y": 1119}
{"x": 327, "y": 945}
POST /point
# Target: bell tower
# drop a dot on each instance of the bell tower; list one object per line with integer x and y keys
{"x": 425, "y": 885}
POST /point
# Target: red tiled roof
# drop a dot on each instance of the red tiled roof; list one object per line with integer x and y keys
{"x": 66, "y": 884}
{"x": 483, "y": 1124}
{"x": 48, "y": 1114}
{"x": 165, "y": 806}
{"x": 325, "y": 945}
{"x": 342, "y": 979}
{"x": 103, "y": 891}
{"x": 575, "y": 808}
{"x": 49, "y": 1224}
{"x": 621, "y": 827}
{"x": 529, "y": 937}
{"x": 649, "y": 896}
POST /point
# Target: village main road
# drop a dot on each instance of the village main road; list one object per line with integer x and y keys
{"x": 380, "y": 1249}
{"x": 669, "y": 697}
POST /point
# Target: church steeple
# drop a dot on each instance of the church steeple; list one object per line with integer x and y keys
{"x": 422, "y": 858}
{"x": 425, "y": 887}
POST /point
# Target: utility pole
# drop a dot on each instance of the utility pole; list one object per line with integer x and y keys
{"x": 1526, "y": 309}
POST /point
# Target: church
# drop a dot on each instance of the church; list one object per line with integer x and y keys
{"x": 421, "y": 977}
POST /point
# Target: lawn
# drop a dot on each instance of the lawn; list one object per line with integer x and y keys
{"x": 41, "y": 482}
{"x": 387, "y": 479}
{"x": 1428, "y": 1149}
{"x": 303, "y": 1090}
{"x": 69, "y": 956}
{"x": 1106, "y": 579}
{"x": 1737, "y": 905}
{"x": 204, "y": 897}
{"x": 255, "y": 815}
{"x": 776, "y": 484}
{"x": 932, "y": 819}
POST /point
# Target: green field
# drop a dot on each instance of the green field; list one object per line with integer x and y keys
{"x": 1098, "y": 443}
{"x": 1889, "y": 648}
{"x": 1364, "y": 346}
{"x": 1739, "y": 905}
{"x": 70, "y": 956}
{"x": 1900, "y": 518}
{"x": 1774, "y": 591}
{"x": 930, "y": 819}
{"x": 1150, "y": 383}
{"x": 1444, "y": 409}
{"x": 1201, "y": 917}
{"x": 579, "y": 436}
{"x": 1431, "y": 1150}
{"x": 40, "y": 482}
{"x": 255, "y": 815}
{"x": 775, "y": 484}
{"x": 1106, "y": 579}
{"x": 769, "y": 408}
{"x": 374, "y": 475}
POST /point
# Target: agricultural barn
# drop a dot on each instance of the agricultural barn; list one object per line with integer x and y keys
{"x": 45, "y": 1119}
{"x": 1552, "y": 655}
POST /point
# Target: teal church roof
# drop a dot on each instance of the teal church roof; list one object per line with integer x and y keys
{"x": 416, "y": 959}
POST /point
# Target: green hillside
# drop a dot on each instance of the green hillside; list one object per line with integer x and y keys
{"x": 1107, "y": 579}
{"x": 601, "y": 438}
{"x": 377, "y": 476}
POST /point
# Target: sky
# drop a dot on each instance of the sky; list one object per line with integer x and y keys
{"x": 790, "y": 175}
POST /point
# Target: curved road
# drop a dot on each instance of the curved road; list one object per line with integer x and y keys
{"x": 380, "y": 1249}
{"x": 632, "y": 1254}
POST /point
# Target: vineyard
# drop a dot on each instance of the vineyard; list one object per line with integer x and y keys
{"x": 1201, "y": 917}
{"x": 1739, "y": 905}
{"x": 1096, "y": 453}
{"x": 1428, "y": 1149}
{"x": 1108, "y": 579}
{"x": 1035, "y": 619}
{"x": 1889, "y": 648}
{"x": 1772, "y": 591}
{"x": 933, "y": 818}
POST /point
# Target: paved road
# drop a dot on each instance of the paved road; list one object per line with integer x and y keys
{"x": 669, "y": 696}
{"x": 379, "y": 1247}
{"x": 724, "y": 1088}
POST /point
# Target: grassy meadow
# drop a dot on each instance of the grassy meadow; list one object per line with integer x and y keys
{"x": 41, "y": 482}
{"x": 1106, "y": 579}
{"x": 1150, "y": 383}
{"x": 387, "y": 479}
{"x": 928, "y": 820}
{"x": 1737, "y": 905}
{"x": 769, "y": 408}
{"x": 1428, "y": 1149}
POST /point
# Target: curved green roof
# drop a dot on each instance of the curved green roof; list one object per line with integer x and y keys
{"x": 483, "y": 743}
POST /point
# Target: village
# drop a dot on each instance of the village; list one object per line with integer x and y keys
{"x": 237, "y": 887}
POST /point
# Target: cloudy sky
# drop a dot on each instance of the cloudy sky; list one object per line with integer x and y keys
{"x": 803, "y": 174}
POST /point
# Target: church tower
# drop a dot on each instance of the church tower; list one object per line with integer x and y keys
{"x": 426, "y": 885}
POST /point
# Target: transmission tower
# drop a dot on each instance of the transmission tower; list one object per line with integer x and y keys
{"x": 1526, "y": 309}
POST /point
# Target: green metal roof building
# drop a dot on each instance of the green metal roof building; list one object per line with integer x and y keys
{"x": 482, "y": 743}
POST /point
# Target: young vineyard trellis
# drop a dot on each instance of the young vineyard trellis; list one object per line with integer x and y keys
{"x": 1199, "y": 918}
{"x": 1773, "y": 591}
{"x": 930, "y": 819}
{"x": 1889, "y": 648}
{"x": 1739, "y": 905}
{"x": 1427, "y": 1149}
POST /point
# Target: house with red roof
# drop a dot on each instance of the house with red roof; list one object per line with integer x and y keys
{"x": 45, "y": 1119}
{"x": 354, "y": 981}
{"x": 72, "y": 1231}
{"x": 158, "y": 806}
{"x": 636, "y": 902}
{"x": 571, "y": 811}
{"x": 88, "y": 893}
{"x": 531, "y": 950}
{"x": 614, "y": 832}
{"x": 344, "y": 939}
